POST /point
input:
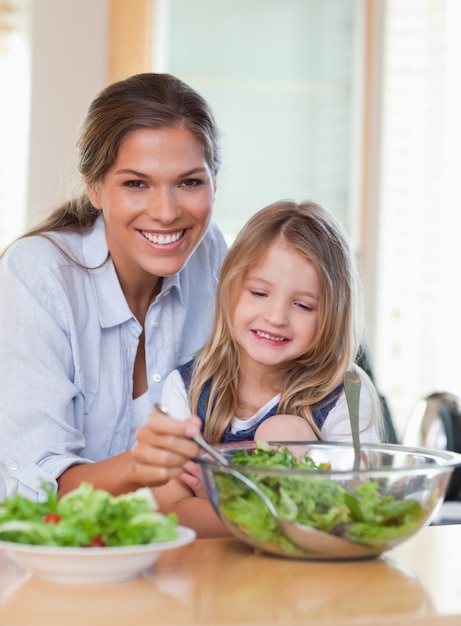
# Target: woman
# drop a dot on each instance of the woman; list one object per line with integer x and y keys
{"x": 111, "y": 293}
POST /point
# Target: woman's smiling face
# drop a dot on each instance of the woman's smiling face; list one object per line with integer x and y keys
{"x": 157, "y": 201}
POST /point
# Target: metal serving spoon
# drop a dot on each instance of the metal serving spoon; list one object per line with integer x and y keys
{"x": 198, "y": 439}
{"x": 314, "y": 542}
{"x": 352, "y": 386}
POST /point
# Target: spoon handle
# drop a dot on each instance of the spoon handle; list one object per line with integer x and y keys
{"x": 198, "y": 439}
{"x": 352, "y": 386}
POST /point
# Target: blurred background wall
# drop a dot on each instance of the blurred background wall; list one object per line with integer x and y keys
{"x": 351, "y": 103}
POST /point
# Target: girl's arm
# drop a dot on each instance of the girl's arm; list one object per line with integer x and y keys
{"x": 192, "y": 511}
{"x": 337, "y": 426}
{"x": 174, "y": 396}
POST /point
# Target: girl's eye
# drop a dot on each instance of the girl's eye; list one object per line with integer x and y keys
{"x": 304, "y": 307}
{"x": 257, "y": 293}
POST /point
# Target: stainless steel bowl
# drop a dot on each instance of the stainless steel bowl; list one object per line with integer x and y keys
{"x": 407, "y": 486}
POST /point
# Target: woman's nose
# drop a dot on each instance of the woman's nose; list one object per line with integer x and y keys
{"x": 164, "y": 206}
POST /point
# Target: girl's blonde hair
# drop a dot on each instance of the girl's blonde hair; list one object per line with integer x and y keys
{"x": 317, "y": 236}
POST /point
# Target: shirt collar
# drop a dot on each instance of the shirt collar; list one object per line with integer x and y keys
{"x": 173, "y": 283}
{"x": 113, "y": 308}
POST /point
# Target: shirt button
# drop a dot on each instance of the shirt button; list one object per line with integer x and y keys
{"x": 155, "y": 324}
{"x": 156, "y": 378}
{"x": 14, "y": 465}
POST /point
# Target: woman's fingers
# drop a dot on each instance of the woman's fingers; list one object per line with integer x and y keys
{"x": 163, "y": 446}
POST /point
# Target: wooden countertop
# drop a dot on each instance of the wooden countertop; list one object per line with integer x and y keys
{"x": 224, "y": 582}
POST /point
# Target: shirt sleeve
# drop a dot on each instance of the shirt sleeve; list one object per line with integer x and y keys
{"x": 174, "y": 396}
{"x": 38, "y": 435}
{"x": 337, "y": 426}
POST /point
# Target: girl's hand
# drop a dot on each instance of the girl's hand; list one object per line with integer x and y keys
{"x": 162, "y": 448}
{"x": 192, "y": 478}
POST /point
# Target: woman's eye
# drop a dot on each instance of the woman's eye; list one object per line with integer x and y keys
{"x": 140, "y": 184}
{"x": 191, "y": 182}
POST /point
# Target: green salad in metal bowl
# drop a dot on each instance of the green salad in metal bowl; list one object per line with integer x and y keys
{"x": 395, "y": 492}
{"x": 86, "y": 517}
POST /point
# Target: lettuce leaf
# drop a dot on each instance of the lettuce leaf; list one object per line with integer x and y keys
{"x": 84, "y": 517}
{"x": 362, "y": 515}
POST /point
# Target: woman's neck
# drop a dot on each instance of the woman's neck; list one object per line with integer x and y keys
{"x": 140, "y": 299}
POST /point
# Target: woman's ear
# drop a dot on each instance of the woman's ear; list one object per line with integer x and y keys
{"x": 92, "y": 190}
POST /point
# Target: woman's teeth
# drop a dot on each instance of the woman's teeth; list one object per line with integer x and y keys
{"x": 163, "y": 239}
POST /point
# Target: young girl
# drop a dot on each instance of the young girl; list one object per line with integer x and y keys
{"x": 285, "y": 331}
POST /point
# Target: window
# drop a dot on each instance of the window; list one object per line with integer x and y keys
{"x": 284, "y": 79}
{"x": 418, "y": 337}
{"x": 281, "y": 79}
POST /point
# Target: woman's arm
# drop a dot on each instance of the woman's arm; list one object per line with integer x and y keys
{"x": 186, "y": 496}
{"x": 163, "y": 446}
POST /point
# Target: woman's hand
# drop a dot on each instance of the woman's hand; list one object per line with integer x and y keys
{"x": 162, "y": 448}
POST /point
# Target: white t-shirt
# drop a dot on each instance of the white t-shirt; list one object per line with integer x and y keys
{"x": 336, "y": 427}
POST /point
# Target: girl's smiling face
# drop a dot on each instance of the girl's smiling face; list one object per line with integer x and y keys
{"x": 276, "y": 316}
{"x": 157, "y": 202}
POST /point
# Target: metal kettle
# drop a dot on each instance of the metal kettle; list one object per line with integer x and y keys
{"x": 435, "y": 422}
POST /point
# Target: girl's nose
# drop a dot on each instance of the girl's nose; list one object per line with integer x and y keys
{"x": 276, "y": 313}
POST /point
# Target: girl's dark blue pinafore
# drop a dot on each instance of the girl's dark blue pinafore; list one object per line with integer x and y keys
{"x": 320, "y": 411}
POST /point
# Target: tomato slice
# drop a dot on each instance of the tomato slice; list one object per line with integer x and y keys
{"x": 52, "y": 518}
{"x": 97, "y": 542}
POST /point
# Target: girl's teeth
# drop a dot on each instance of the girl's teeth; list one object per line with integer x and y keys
{"x": 267, "y": 336}
{"x": 163, "y": 239}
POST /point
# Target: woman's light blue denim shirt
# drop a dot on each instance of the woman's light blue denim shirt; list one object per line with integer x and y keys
{"x": 68, "y": 341}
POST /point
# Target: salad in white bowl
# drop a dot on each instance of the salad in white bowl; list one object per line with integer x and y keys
{"x": 88, "y": 535}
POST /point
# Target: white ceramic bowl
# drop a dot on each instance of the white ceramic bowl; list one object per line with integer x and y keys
{"x": 92, "y": 565}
